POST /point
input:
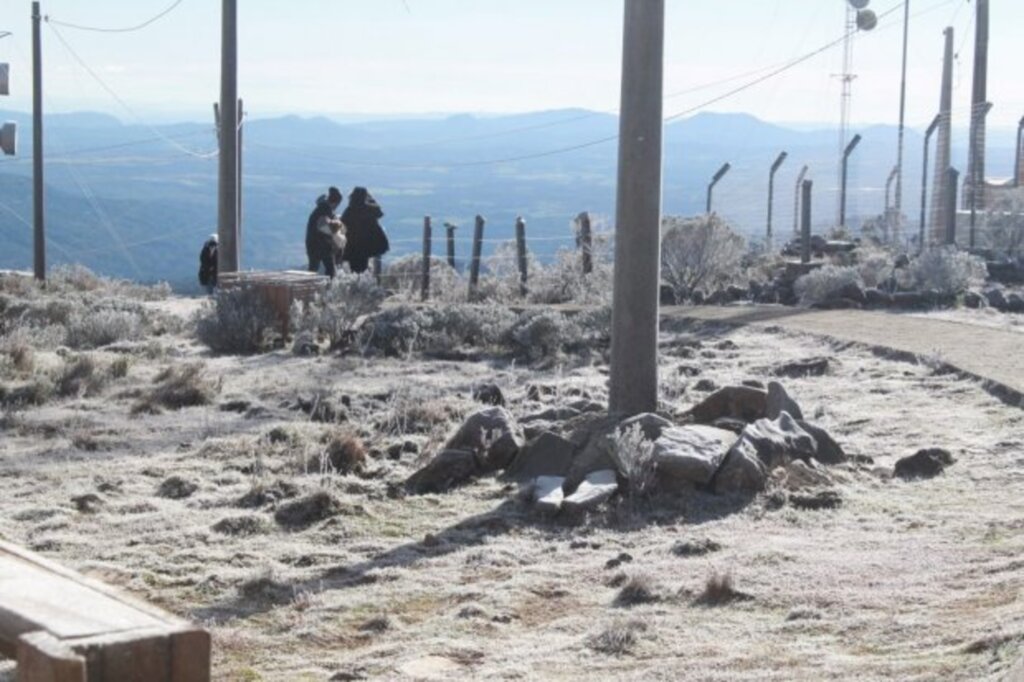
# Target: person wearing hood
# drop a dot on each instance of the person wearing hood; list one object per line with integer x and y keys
{"x": 366, "y": 238}
{"x": 208, "y": 263}
{"x": 322, "y": 229}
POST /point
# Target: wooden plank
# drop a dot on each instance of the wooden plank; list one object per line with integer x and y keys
{"x": 190, "y": 656}
{"x": 43, "y": 658}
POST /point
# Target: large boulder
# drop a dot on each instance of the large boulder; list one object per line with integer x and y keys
{"x": 996, "y": 299}
{"x": 827, "y": 450}
{"x": 974, "y": 300}
{"x": 1015, "y": 304}
{"x": 876, "y": 298}
{"x": 808, "y": 367}
{"x": 593, "y": 490}
{"x": 733, "y": 402}
{"x": 779, "y": 402}
{"x": 547, "y": 494}
{"x": 690, "y": 453}
{"x": 596, "y": 435}
{"x": 546, "y": 455}
{"x": 448, "y": 469}
{"x": 492, "y": 434}
{"x": 763, "y": 446}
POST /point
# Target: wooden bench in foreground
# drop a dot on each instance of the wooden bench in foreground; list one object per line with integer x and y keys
{"x": 64, "y": 627}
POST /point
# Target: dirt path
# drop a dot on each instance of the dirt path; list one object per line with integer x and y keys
{"x": 989, "y": 354}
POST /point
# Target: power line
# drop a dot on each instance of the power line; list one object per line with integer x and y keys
{"x": 125, "y": 105}
{"x": 125, "y": 29}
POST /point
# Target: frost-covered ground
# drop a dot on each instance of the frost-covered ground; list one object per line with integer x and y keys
{"x": 985, "y": 317}
{"x": 921, "y": 580}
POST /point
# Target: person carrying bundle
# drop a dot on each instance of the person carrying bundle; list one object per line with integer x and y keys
{"x": 325, "y": 233}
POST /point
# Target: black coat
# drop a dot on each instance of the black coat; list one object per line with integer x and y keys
{"x": 319, "y": 244}
{"x": 208, "y": 264}
{"x": 366, "y": 237}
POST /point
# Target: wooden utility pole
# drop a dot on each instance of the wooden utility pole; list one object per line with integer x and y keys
{"x": 940, "y": 190}
{"x": 633, "y": 384}
{"x": 521, "y": 254}
{"x": 975, "y": 180}
{"x": 227, "y": 203}
{"x": 586, "y": 242}
{"x": 39, "y": 208}
{"x": 425, "y": 265}
{"x": 450, "y": 229}
{"x": 474, "y": 264}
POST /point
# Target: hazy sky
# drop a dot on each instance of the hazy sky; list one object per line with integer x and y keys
{"x": 405, "y": 56}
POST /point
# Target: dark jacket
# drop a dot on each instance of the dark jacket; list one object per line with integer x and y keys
{"x": 366, "y": 237}
{"x": 208, "y": 263}
{"x": 317, "y": 242}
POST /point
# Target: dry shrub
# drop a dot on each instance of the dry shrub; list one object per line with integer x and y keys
{"x": 335, "y": 313}
{"x": 404, "y": 277}
{"x": 239, "y": 322}
{"x": 23, "y": 357}
{"x": 639, "y": 590}
{"x": 719, "y": 590}
{"x": 618, "y": 639}
{"x": 82, "y": 376}
{"x": 633, "y": 454}
{"x": 31, "y": 394}
{"x": 98, "y": 328}
{"x": 346, "y": 453}
{"x": 177, "y": 388}
{"x": 825, "y": 283}
{"x": 266, "y": 589}
{"x": 699, "y": 253}
{"x": 946, "y": 270}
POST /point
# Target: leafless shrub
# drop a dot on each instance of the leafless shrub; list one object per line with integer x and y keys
{"x": 34, "y": 393}
{"x": 946, "y": 270}
{"x": 404, "y": 277}
{"x": 265, "y": 589}
{"x": 876, "y": 266}
{"x": 335, "y": 313}
{"x": 618, "y": 639}
{"x": 82, "y": 376}
{"x": 98, "y": 328}
{"x": 634, "y": 456}
{"x": 1004, "y": 224}
{"x": 239, "y": 321}
{"x": 640, "y": 589}
{"x": 346, "y": 453}
{"x": 824, "y": 283}
{"x": 699, "y": 252}
{"x": 719, "y": 590}
{"x": 177, "y": 388}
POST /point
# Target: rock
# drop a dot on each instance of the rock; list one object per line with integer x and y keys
{"x": 974, "y": 300}
{"x": 536, "y": 392}
{"x": 585, "y": 406}
{"x": 493, "y": 434}
{"x": 823, "y": 499}
{"x": 799, "y": 475}
{"x": 176, "y": 488}
{"x": 850, "y": 292}
{"x": 828, "y": 451}
{"x": 705, "y": 386}
{"x": 489, "y": 394}
{"x": 546, "y": 455}
{"x": 547, "y": 494}
{"x": 753, "y": 383}
{"x": 909, "y": 300}
{"x": 89, "y": 503}
{"x": 306, "y": 511}
{"x": 242, "y": 526}
{"x": 736, "y": 293}
{"x": 779, "y": 402}
{"x": 763, "y": 446}
{"x": 996, "y": 299}
{"x": 925, "y": 463}
{"x": 875, "y": 298}
{"x": 729, "y": 424}
{"x": 902, "y": 261}
{"x": 652, "y": 425}
{"x": 692, "y": 548}
{"x": 698, "y": 297}
{"x": 809, "y": 367}
{"x": 239, "y": 406}
{"x": 736, "y": 402}
{"x": 305, "y": 345}
{"x": 447, "y": 470}
{"x": 622, "y": 558}
{"x": 688, "y": 370}
{"x": 322, "y": 410}
{"x": 727, "y": 344}
{"x": 596, "y": 488}
{"x": 666, "y": 295}
{"x": 690, "y": 453}
{"x": 1015, "y": 304}
{"x": 261, "y": 495}
{"x": 552, "y": 414}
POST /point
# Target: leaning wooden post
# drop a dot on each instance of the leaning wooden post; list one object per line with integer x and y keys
{"x": 633, "y": 380}
{"x": 451, "y": 244}
{"x": 805, "y": 221}
{"x": 425, "y": 284}
{"x": 474, "y": 264}
{"x": 521, "y": 253}
{"x": 586, "y": 243}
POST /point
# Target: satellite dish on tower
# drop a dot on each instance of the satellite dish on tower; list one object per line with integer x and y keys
{"x": 866, "y": 19}
{"x": 859, "y": 4}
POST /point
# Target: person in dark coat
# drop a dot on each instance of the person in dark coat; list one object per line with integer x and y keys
{"x": 366, "y": 237}
{"x": 208, "y": 264}
{"x": 320, "y": 229}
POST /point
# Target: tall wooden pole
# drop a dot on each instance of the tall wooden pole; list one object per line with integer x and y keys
{"x": 227, "y": 205}
{"x": 633, "y": 384}
{"x": 521, "y": 254}
{"x": 238, "y": 181}
{"x": 39, "y": 208}
{"x": 425, "y": 264}
{"x": 975, "y": 181}
{"x": 940, "y": 191}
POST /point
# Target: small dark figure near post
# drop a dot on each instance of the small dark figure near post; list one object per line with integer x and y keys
{"x": 208, "y": 264}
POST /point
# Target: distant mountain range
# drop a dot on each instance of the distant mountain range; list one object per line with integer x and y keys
{"x": 137, "y": 201}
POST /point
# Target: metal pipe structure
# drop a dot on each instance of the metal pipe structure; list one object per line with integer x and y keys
{"x": 771, "y": 194}
{"x": 979, "y": 110}
{"x": 805, "y": 221}
{"x": 796, "y": 200}
{"x": 976, "y": 178}
{"x": 924, "y": 178}
{"x": 888, "y": 187}
{"x": 842, "y": 189}
{"x": 633, "y": 376}
{"x": 903, "y": 112}
{"x": 953, "y": 178}
{"x": 714, "y": 181}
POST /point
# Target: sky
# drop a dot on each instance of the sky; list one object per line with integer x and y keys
{"x": 404, "y": 57}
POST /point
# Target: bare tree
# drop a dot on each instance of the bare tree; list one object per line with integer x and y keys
{"x": 699, "y": 252}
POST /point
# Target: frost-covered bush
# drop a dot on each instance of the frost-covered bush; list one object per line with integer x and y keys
{"x": 404, "y": 277}
{"x": 334, "y": 313}
{"x": 541, "y": 334}
{"x": 701, "y": 252}
{"x": 946, "y": 270}
{"x": 98, "y": 328}
{"x": 563, "y": 281}
{"x": 238, "y": 321}
{"x": 1004, "y": 224}
{"x": 825, "y": 283}
{"x": 875, "y": 266}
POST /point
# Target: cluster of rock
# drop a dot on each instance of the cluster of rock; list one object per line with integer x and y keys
{"x": 735, "y": 441}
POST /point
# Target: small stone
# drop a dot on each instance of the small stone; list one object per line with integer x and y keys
{"x": 692, "y": 548}
{"x": 810, "y": 367}
{"x": 923, "y": 464}
{"x": 623, "y": 558}
{"x": 176, "y": 488}
{"x": 489, "y": 394}
{"x": 595, "y": 489}
{"x": 89, "y": 503}
{"x": 824, "y": 499}
{"x": 448, "y": 469}
{"x": 705, "y": 386}
{"x": 547, "y": 491}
